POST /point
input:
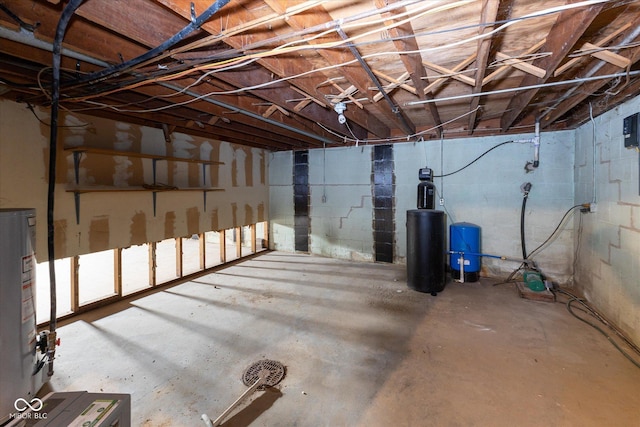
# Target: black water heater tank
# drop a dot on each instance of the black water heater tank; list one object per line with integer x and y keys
{"x": 426, "y": 250}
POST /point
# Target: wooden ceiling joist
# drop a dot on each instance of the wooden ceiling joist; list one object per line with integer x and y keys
{"x": 450, "y": 73}
{"x": 406, "y": 44}
{"x": 600, "y": 43}
{"x": 568, "y": 28}
{"x": 521, "y": 65}
{"x": 435, "y": 84}
{"x": 254, "y": 72}
{"x": 501, "y": 70}
{"x": 400, "y": 82}
{"x": 489, "y": 14}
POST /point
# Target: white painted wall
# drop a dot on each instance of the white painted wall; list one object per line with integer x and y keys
{"x": 608, "y": 247}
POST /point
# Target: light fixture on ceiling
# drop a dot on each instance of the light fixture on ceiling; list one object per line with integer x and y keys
{"x": 340, "y": 108}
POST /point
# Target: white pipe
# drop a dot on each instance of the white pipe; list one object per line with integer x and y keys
{"x": 536, "y": 145}
{"x": 207, "y": 420}
{"x": 522, "y": 88}
{"x": 593, "y": 147}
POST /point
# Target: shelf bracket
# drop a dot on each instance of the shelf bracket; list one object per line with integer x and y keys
{"x": 76, "y": 199}
{"x": 76, "y": 165}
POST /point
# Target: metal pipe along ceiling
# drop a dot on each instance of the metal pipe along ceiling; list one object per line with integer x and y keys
{"x": 27, "y": 38}
{"x": 394, "y": 108}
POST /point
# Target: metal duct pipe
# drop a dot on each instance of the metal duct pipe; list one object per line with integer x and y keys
{"x": 249, "y": 113}
{"x": 27, "y": 38}
{"x": 523, "y": 88}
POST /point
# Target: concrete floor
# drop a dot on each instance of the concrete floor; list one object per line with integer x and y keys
{"x": 360, "y": 348}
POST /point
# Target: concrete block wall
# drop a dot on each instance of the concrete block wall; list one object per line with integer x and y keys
{"x": 281, "y": 212}
{"x": 341, "y": 208}
{"x": 487, "y": 194}
{"x": 608, "y": 241}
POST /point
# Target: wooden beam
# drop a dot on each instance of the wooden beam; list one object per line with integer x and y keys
{"x": 153, "y": 264}
{"x": 568, "y": 28}
{"x": 451, "y": 74}
{"x": 75, "y": 283}
{"x": 434, "y": 85}
{"x": 203, "y": 251}
{"x": 273, "y": 108}
{"x": 503, "y": 69}
{"x": 607, "y": 55}
{"x": 394, "y": 83}
{"x": 586, "y": 89}
{"x": 599, "y": 43}
{"x": 361, "y": 121}
{"x": 489, "y": 14}
{"x": 252, "y": 229}
{"x": 179, "y": 264}
{"x": 223, "y": 246}
{"x": 117, "y": 271}
{"x": 309, "y": 97}
{"x": 345, "y": 93}
{"x": 521, "y": 65}
{"x": 581, "y": 114}
{"x": 300, "y": 105}
{"x": 404, "y": 41}
{"x": 353, "y": 71}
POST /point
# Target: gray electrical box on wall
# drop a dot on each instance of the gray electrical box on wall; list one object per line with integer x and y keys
{"x": 630, "y": 128}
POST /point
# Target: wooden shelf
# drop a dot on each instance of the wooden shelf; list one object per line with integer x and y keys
{"x": 77, "y": 191}
{"x": 154, "y": 188}
{"x": 98, "y": 189}
{"x": 108, "y": 152}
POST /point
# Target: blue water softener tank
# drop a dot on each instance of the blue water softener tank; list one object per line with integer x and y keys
{"x": 465, "y": 237}
{"x": 426, "y": 258}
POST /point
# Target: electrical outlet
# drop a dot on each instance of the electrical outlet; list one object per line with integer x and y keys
{"x": 441, "y": 201}
{"x": 588, "y": 208}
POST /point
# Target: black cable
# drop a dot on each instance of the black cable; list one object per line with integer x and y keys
{"x": 556, "y": 229}
{"x": 589, "y": 310}
{"x": 30, "y": 107}
{"x": 475, "y": 160}
{"x": 65, "y": 17}
{"x": 16, "y": 18}
{"x": 522, "y": 210}
{"x": 195, "y": 24}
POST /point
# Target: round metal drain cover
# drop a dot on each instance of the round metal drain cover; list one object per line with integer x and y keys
{"x": 276, "y": 373}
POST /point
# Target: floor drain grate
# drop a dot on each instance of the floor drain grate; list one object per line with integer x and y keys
{"x": 276, "y": 373}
